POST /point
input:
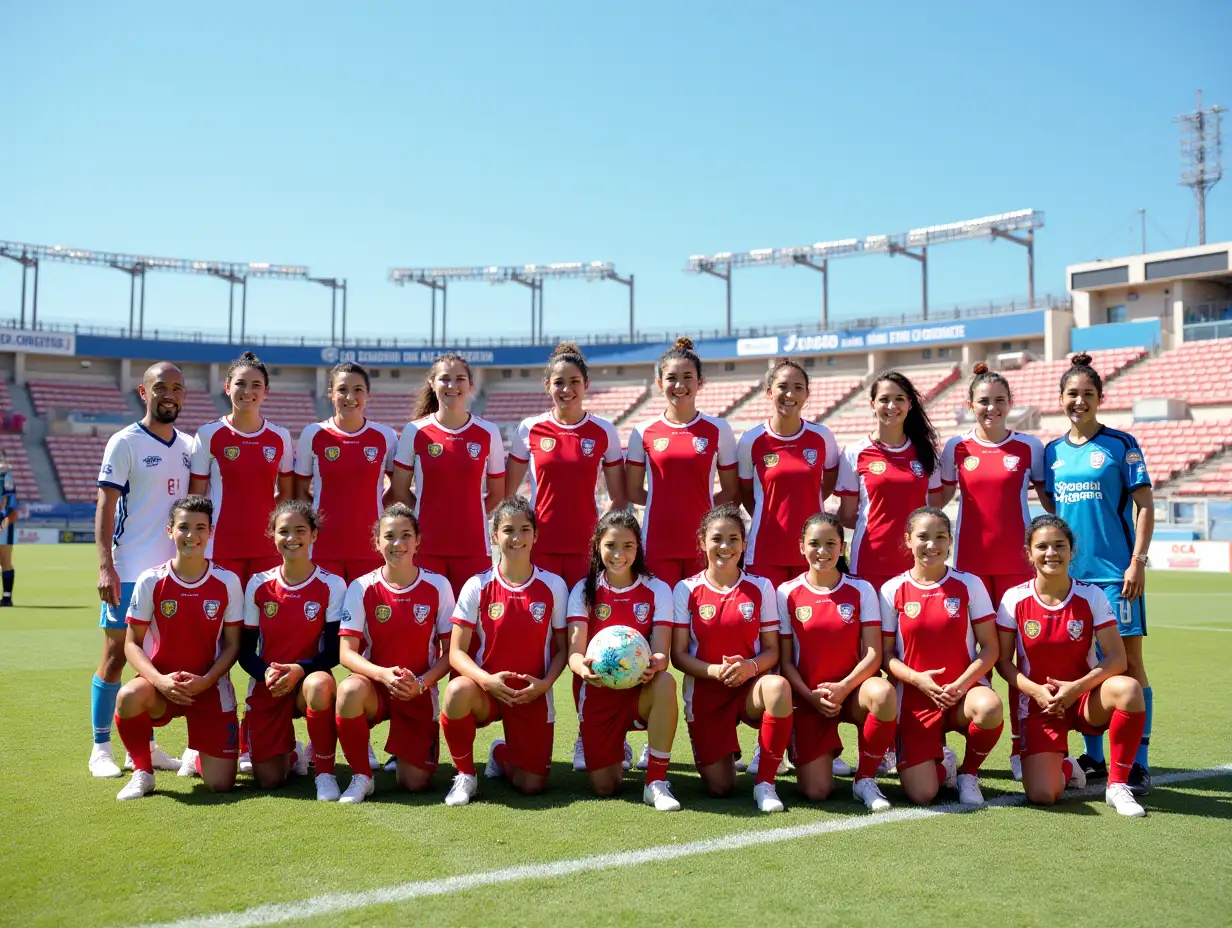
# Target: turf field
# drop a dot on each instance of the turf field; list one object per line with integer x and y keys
{"x": 75, "y": 855}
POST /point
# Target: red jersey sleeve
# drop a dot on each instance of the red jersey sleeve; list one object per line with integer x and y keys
{"x": 466, "y": 610}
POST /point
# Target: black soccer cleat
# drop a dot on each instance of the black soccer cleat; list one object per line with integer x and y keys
{"x": 1139, "y": 780}
{"x": 6, "y": 602}
{"x": 1094, "y": 769}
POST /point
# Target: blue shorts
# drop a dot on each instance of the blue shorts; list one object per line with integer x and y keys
{"x": 1131, "y": 617}
{"x": 113, "y": 616}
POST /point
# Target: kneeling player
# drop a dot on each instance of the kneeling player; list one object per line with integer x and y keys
{"x": 830, "y": 634}
{"x": 726, "y": 640}
{"x": 183, "y": 636}
{"x": 518, "y": 614}
{"x": 392, "y": 625}
{"x": 290, "y": 648}
{"x": 1052, "y": 624}
{"x": 618, "y": 591}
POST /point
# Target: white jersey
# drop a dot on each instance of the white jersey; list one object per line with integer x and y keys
{"x": 150, "y": 474}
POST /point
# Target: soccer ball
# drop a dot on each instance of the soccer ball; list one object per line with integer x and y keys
{"x": 621, "y": 656}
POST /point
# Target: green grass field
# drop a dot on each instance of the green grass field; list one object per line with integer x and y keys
{"x": 77, "y": 856}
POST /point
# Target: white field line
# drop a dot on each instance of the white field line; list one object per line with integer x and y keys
{"x": 334, "y": 903}
{"x": 1190, "y": 628}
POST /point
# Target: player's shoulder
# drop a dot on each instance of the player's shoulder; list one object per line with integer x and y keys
{"x": 961, "y": 576}
{"x": 751, "y": 435}
{"x": 858, "y": 586}
{"x": 656, "y": 586}
{"x": 759, "y": 583}
{"x": 853, "y": 449}
{"x": 439, "y": 581}
{"x": 788, "y": 587}
{"x": 477, "y": 583}
{"x": 388, "y": 432}
{"x": 280, "y": 430}
{"x": 718, "y": 423}
{"x": 952, "y": 443}
{"x": 337, "y": 585}
{"x": 1031, "y": 441}
{"x": 488, "y": 426}
{"x": 151, "y": 575}
{"x": 687, "y": 585}
{"x": 206, "y": 432}
{"x": 1091, "y": 592}
{"x": 649, "y": 425}
{"x": 543, "y": 419}
{"x": 891, "y": 587}
{"x": 261, "y": 579}
{"x": 313, "y": 429}
{"x": 819, "y": 429}
{"x": 554, "y": 582}
{"x": 1018, "y": 593}
{"x": 1117, "y": 440}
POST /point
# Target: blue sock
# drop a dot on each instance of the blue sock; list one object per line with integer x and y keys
{"x": 1145, "y": 747}
{"x": 102, "y": 708}
{"x": 1095, "y": 747}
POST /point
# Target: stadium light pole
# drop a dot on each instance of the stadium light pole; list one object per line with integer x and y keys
{"x": 824, "y": 269}
{"x": 893, "y": 248}
{"x": 334, "y": 285}
{"x": 628, "y": 282}
{"x": 536, "y": 292}
{"x": 703, "y": 264}
{"x": 232, "y": 279}
{"x": 26, "y": 263}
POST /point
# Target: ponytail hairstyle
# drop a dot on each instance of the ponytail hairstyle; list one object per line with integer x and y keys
{"x": 514, "y": 506}
{"x": 1080, "y": 365}
{"x": 930, "y": 511}
{"x": 916, "y": 425}
{"x": 615, "y": 518}
{"x": 1047, "y": 520}
{"x": 300, "y": 507}
{"x": 248, "y": 359}
{"x": 568, "y": 353}
{"x": 348, "y": 367}
{"x": 984, "y": 375}
{"x": 718, "y": 514}
{"x": 782, "y": 363}
{"x": 825, "y": 518}
{"x": 426, "y": 402}
{"x": 683, "y": 348}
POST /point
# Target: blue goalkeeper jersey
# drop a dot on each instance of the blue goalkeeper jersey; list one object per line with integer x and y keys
{"x": 1092, "y": 485}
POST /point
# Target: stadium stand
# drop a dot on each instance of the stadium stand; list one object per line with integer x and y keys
{"x": 1173, "y": 448}
{"x": 1199, "y": 372}
{"x": 199, "y": 408}
{"x": 393, "y": 409}
{"x": 1036, "y": 382}
{"x": 19, "y": 463}
{"x": 510, "y": 404}
{"x": 98, "y": 396}
{"x": 716, "y": 397}
{"x": 76, "y": 460}
{"x": 1215, "y": 482}
{"x": 291, "y": 409}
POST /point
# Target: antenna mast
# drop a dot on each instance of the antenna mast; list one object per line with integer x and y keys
{"x": 1201, "y": 155}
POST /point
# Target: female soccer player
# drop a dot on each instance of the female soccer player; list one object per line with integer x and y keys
{"x": 939, "y": 643}
{"x": 456, "y": 462}
{"x": 517, "y": 612}
{"x": 192, "y": 613}
{"x": 726, "y": 642}
{"x": 830, "y": 634}
{"x": 8, "y": 527}
{"x": 883, "y": 478}
{"x": 1052, "y": 623}
{"x": 563, "y": 448}
{"x": 393, "y": 622}
{"x": 670, "y": 467}
{"x": 341, "y": 464}
{"x": 245, "y": 464}
{"x": 1096, "y": 477}
{"x": 617, "y": 590}
{"x": 290, "y": 648}
{"x": 787, "y": 470}
{"x": 991, "y": 467}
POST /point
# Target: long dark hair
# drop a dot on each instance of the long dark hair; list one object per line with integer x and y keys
{"x": 825, "y": 518}
{"x": 616, "y": 518}
{"x": 426, "y": 402}
{"x": 717, "y": 514}
{"x": 916, "y": 425}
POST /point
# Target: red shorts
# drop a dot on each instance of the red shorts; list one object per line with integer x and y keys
{"x": 246, "y": 567}
{"x": 712, "y": 711}
{"x": 998, "y": 585}
{"x": 671, "y": 570}
{"x": 529, "y": 730}
{"x": 922, "y": 727}
{"x": 414, "y": 732}
{"x": 813, "y": 735}
{"x": 877, "y": 580}
{"x": 604, "y": 715}
{"x": 270, "y": 722}
{"x": 776, "y": 573}
{"x": 457, "y": 570}
{"x": 1042, "y": 734}
{"x": 352, "y": 568}
{"x": 571, "y": 567}
{"x": 213, "y": 728}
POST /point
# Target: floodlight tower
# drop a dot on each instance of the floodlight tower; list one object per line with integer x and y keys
{"x": 710, "y": 264}
{"x": 26, "y": 261}
{"x": 334, "y": 285}
{"x": 1201, "y": 155}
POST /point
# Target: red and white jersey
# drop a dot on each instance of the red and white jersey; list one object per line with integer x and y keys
{"x": 786, "y": 474}
{"x": 184, "y": 620}
{"x": 992, "y": 480}
{"x": 891, "y": 484}
{"x": 513, "y": 624}
{"x": 451, "y": 467}
{"x": 292, "y": 619}
{"x": 644, "y": 605}
{"x": 348, "y": 483}
{"x": 1055, "y": 641}
{"x": 399, "y": 627}
{"x": 725, "y": 623}
{"x": 564, "y": 468}
{"x": 243, "y": 470}
{"x": 933, "y": 624}
{"x": 826, "y": 625}
{"x": 681, "y": 462}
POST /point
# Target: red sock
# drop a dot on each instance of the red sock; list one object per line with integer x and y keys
{"x": 1015, "y": 724}
{"x": 875, "y": 738}
{"x": 460, "y": 739}
{"x": 500, "y": 754}
{"x": 656, "y": 766}
{"x": 1124, "y": 736}
{"x": 940, "y": 773}
{"x": 197, "y": 764}
{"x": 137, "y": 733}
{"x": 1067, "y": 771}
{"x": 353, "y": 736}
{"x": 773, "y": 738}
{"x": 323, "y": 733}
{"x": 244, "y": 734}
{"x": 980, "y": 742}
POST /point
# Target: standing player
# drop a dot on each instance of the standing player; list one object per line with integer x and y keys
{"x": 939, "y": 642}
{"x": 517, "y": 613}
{"x": 8, "y": 527}
{"x": 787, "y": 470}
{"x": 456, "y": 463}
{"x": 991, "y": 468}
{"x": 617, "y": 590}
{"x": 145, "y": 467}
{"x": 393, "y": 628}
{"x": 670, "y": 467}
{"x": 1052, "y": 624}
{"x": 184, "y": 623}
{"x": 341, "y": 464}
{"x": 726, "y": 642}
{"x": 1096, "y": 478}
{"x": 830, "y": 630}
{"x": 564, "y": 448}
{"x": 290, "y": 648}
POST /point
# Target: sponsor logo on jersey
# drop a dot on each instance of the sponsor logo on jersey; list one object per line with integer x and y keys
{"x": 603, "y": 612}
{"x": 952, "y": 605}
{"x": 270, "y": 609}
{"x": 877, "y": 467}
{"x": 660, "y": 444}
{"x": 435, "y": 449}
{"x": 971, "y": 462}
{"x": 382, "y": 612}
{"x": 846, "y": 612}
{"x": 421, "y": 611}
{"x": 700, "y": 444}
{"x": 152, "y": 460}
{"x": 706, "y": 612}
{"x": 1133, "y": 457}
{"x": 270, "y": 453}
{"x": 917, "y": 468}
{"x": 547, "y": 444}
{"x": 211, "y": 607}
{"x": 184, "y": 459}
{"x": 588, "y": 447}
{"x": 538, "y": 611}
{"x": 1011, "y": 462}
{"x": 1058, "y": 464}
{"x": 1074, "y": 627}
{"x": 167, "y": 607}
{"x": 370, "y": 453}
{"x": 311, "y": 610}
{"x": 1031, "y": 628}
{"x": 746, "y": 610}
{"x": 770, "y": 460}
{"x": 810, "y": 456}
{"x": 231, "y": 452}
{"x": 641, "y": 612}
{"x": 473, "y": 449}
{"x": 496, "y": 610}
{"x": 912, "y": 610}
{"x": 332, "y": 452}
{"x": 1097, "y": 459}
{"x": 804, "y": 613}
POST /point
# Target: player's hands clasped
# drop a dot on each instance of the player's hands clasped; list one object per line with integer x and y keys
{"x": 1065, "y": 694}
{"x": 286, "y": 677}
{"x": 828, "y": 699}
{"x": 497, "y": 686}
{"x": 924, "y": 682}
{"x": 401, "y": 683}
{"x": 174, "y": 688}
{"x": 736, "y": 671}
{"x": 533, "y": 690}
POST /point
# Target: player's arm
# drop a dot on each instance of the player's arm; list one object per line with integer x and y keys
{"x": 104, "y": 528}
{"x": 227, "y": 654}
{"x": 166, "y": 684}
{"x": 515, "y": 473}
{"x": 988, "y": 649}
{"x": 400, "y": 486}
{"x": 198, "y": 485}
{"x": 285, "y": 488}
{"x": 1144, "y": 527}
{"x": 829, "y": 480}
{"x": 399, "y": 686}
{"x": 579, "y": 637}
{"x": 746, "y": 495}
{"x": 941, "y": 496}
{"x": 870, "y": 662}
{"x": 729, "y": 488}
{"x": 249, "y": 660}
{"x": 635, "y": 482}
{"x": 895, "y": 669}
{"x": 788, "y": 669}
{"x": 325, "y": 659}
{"x": 614, "y": 477}
{"x": 848, "y": 510}
{"x": 495, "y": 489}
{"x": 686, "y": 662}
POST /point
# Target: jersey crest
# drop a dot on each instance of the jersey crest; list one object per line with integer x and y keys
{"x": 706, "y": 612}
{"x": 1097, "y": 459}
{"x": 660, "y": 444}
{"x": 168, "y": 607}
{"x": 700, "y": 443}
{"x": 1031, "y": 628}
{"x": 917, "y": 468}
{"x": 211, "y": 607}
{"x": 846, "y": 612}
{"x": 332, "y": 452}
{"x": 911, "y": 610}
{"x": 231, "y": 452}
{"x": 641, "y": 612}
{"x": 435, "y": 449}
{"x": 421, "y": 613}
{"x": 382, "y": 613}
{"x": 370, "y": 453}
{"x": 746, "y": 610}
{"x": 547, "y": 444}
{"x": 311, "y": 610}
{"x": 270, "y": 453}
{"x": 1011, "y": 462}
{"x": 473, "y": 449}
{"x": 603, "y": 612}
{"x": 770, "y": 460}
{"x": 971, "y": 462}
{"x": 804, "y": 613}
{"x": 810, "y": 456}
{"x": 538, "y": 611}
{"x": 1074, "y": 627}
{"x": 496, "y": 610}
{"x": 270, "y": 609}
{"x": 1133, "y": 457}
{"x": 952, "y": 605}
{"x": 877, "y": 467}
{"x": 588, "y": 447}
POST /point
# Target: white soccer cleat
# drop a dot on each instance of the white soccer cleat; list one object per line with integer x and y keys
{"x": 1016, "y": 768}
{"x": 161, "y": 760}
{"x": 659, "y": 795}
{"x": 1077, "y": 779}
{"x": 327, "y": 788}
{"x": 299, "y": 762}
{"x": 784, "y": 764}
{"x": 465, "y": 786}
{"x": 373, "y": 763}
{"x": 102, "y": 765}
{"x": 493, "y": 770}
{"x": 245, "y": 763}
{"x": 840, "y": 768}
{"x": 140, "y": 785}
{"x": 579, "y": 755}
{"x": 391, "y": 765}
{"x": 644, "y": 761}
{"x": 359, "y": 789}
{"x": 969, "y": 793}
{"x": 627, "y": 763}
{"x": 1120, "y": 798}
{"x": 949, "y": 760}
{"x": 767, "y": 798}
{"x": 187, "y": 766}
{"x": 308, "y": 753}
{"x": 742, "y": 765}
{"x": 888, "y": 764}
{"x": 868, "y": 792}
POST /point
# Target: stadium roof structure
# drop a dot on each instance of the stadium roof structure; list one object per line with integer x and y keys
{"x": 913, "y": 244}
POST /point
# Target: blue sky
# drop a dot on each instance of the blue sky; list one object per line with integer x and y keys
{"x": 355, "y": 140}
